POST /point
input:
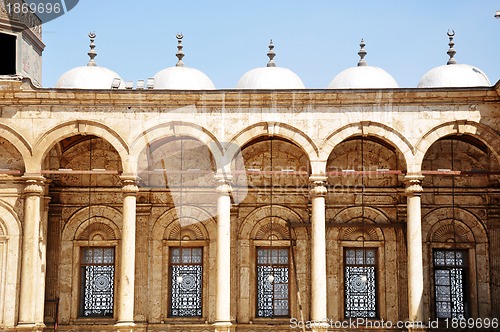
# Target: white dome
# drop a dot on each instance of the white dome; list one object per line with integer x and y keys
{"x": 454, "y": 75}
{"x": 182, "y": 78}
{"x": 88, "y": 77}
{"x": 363, "y": 77}
{"x": 270, "y": 78}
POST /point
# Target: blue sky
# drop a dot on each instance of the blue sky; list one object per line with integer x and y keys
{"x": 316, "y": 39}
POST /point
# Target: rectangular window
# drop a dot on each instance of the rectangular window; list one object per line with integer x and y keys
{"x": 450, "y": 270}
{"x": 273, "y": 270}
{"x": 8, "y": 56}
{"x": 97, "y": 267}
{"x": 360, "y": 282}
{"x": 186, "y": 282}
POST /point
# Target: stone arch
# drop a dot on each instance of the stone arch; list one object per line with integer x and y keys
{"x": 10, "y": 250}
{"x": 79, "y": 127}
{"x": 439, "y": 222}
{"x": 97, "y": 229}
{"x": 356, "y": 233}
{"x": 351, "y": 228}
{"x": 191, "y": 232}
{"x": 80, "y": 224}
{"x": 449, "y": 230}
{"x": 460, "y": 127}
{"x": 103, "y": 225}
{"x": 200, "y": 230}
{"x": 17, "y": 140}
{"x": 290, "y": 133}
{"x": 266, "y": 230}
{"x": 257, "y": 222}
{"x": 375, "y": 129}
{"x": 460, "y": 229}
{"x": 176, "y": 129}
{"x": 356, "y": 212}
{"x": 201, "y": 225}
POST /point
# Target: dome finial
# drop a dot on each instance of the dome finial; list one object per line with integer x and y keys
{"x": 271, "y": 54}
{"x": 362, "y": 53}
{"x": 92, "y": 53}
{"x": 451, "y": 52}
{"x": 179, "y": 53}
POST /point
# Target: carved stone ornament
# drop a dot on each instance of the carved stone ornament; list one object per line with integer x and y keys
{"x": 414, "y": 184}
{"x": 34, "y": 187}
{"x": 224, "y": 188}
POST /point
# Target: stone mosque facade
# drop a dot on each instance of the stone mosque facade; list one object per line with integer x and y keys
{"x": 175, "y": 206}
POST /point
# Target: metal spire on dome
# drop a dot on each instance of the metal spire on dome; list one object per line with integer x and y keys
{"x": 179, "y": 53}
{"x": 92, "y": 53}
{"x": 451, "y": 52}
{"x": 362, "y": 53}
{"x": 271, "y": 54}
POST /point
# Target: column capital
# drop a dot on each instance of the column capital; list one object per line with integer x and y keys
{"x": 318, "y": 186}
{"x": 35, "y": 184}
{"x": 224, "y": 183}
{"x": 413, "y": 184}
{"x": 129, "y": 185}
{"x": 224, "y": 188}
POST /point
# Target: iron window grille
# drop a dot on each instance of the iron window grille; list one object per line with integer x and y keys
{"x": 450, "y": 276}
{"x": 97, "y": 266}
{"x": 360, "y": 283}
{"x": 186, "y": 282}
{"x": 273, "y": 294}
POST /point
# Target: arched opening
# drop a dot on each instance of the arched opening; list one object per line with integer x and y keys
{"x": 83, "y": 172}
{"x": 177, "y": 175}
{"x": 461, "y": 177}
{"x": 276, "y": 172}
{"x": 11, "y": 160}
{"x": 365, "y": 238}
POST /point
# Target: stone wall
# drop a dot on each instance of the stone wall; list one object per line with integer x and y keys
{"x": 313, "y": 133}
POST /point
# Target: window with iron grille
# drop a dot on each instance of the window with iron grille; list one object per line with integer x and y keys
{"x": 273, "y": 290}
{"x": 450, "y": 274}
{"x": 360, "y": 282}
{"x": 186, "y": 282}
{"x": 97, "y": 268}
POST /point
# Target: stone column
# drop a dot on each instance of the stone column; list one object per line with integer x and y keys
{"x": 318, "y": 254}
{"x": 414, "y": 240}
{"x": 223, "y": 265}
{"x": 142, "y": 241}
{"x": 32, "y": 292}
{"x": 125, "y": 303}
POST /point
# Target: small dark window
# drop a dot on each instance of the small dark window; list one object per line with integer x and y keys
{"x": 97, "y": 282}
{"x": 273, "y": 270}
{"x": 360, "y": 281}
{"x": 8, "y": 54}
{"x": 186, "y": 282}
{"x": 450, "y": 272}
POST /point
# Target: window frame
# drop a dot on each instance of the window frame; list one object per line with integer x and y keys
{"x": 376, "y": 274}
{"x": 289, "y": 266}
{"x": 81, "y": 288}
{"x": 466, "y": 280}
{"x": 169, "y": 281}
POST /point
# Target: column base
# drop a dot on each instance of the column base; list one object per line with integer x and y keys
{"x": 223, "y": 327}
{"x": 30, "y": 327}
{"x": 125, "y": 326}
{"x": 320, "y": 327}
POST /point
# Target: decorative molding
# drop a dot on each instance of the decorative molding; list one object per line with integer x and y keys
{"x": 318, "y": 186}
{"x": 413, "y": 184}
